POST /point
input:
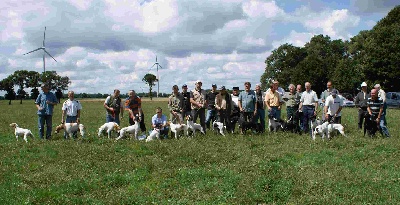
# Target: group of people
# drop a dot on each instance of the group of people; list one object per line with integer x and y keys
{"x": 218, "y": 105}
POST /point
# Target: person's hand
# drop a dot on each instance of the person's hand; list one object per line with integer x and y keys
{"x": 279, "y": 107}
{"x": 315, "y": 113}
{"x": 77, "y": 120}
{"x": 40, "y": 108}
{"x": 111, "y": 109}
{"x": 326, "y": 116}
{"x": 62, "y": 121}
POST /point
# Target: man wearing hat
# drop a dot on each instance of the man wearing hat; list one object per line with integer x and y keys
{"x": 198, "y": 103}
{"x": 361, "y": 103}
{"x": 45, "y": 104}
{"x": 333, "y": 107}
{"x": 235, "y": 115}
{"x": 223, "y": 105}
{"x": 211, "y": 113}
{"x": 186, "y": 106}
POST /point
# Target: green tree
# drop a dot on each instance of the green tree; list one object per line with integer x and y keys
{"x": 150, "y": 80}
{"x": 21, "y": 79}
{"x": 7, "y": 85}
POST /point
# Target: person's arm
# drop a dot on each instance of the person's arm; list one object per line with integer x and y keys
{"x": 78, "y": 115}
{"x": 380, "y": 113}
{"x": 63, "y": 114}
{"x": 315, "y": 102}
{"x": 218, "y": 102}
{"x": 357, "y": 100}
{"x": 267, "y": 102}
{"x": 106, "y": 103}
{"x": 240, "y": 102}
{"x": 121, "y": 110}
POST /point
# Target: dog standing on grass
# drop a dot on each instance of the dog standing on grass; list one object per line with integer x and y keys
{"x": 327, "y": 129}
{"x": 191, "y": 126}
{"x": 219, "y": 127}
{"x": 71, "y": 128}
{"x": 19, "y": 132}
{"x": 133, "y": 129}
{"x": 109, "y": 127}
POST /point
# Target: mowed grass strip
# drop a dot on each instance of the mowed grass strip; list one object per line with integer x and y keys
{"x": 278, "y": 168}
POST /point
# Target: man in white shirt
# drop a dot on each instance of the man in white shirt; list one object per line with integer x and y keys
{"x": 382, "y": 95}
{"x": 71, "y": 111}
{"x": 235, "y": 115}
{"x": 333, "y": 107}
{"x": 308, "y": 105}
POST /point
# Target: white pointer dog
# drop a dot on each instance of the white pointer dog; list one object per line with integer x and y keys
{"x": 19, "y": 132}
{"x": 109, "y": 127}
{"x": 155, "y": 134}
{"x": 70, "y": 128}
{"x": 219, "y": 126}
{"x": 133, "y": 129}
{"x": 327, "y": 129}
{"x": 193, "y": 126}
{"x": 177, "y": 128}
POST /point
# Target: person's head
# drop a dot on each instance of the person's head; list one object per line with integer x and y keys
{"x": 223, "y": 90}
{"x": 132, "y": 93}
{"x": 71, "y": 95}
{"x": 308, "y": 86}
{"x": 247, "y": 86}
{"x": 116, "y": 92}
{"x": 377, "y": 87}
{"x": 329, "y": 85}
{"x": 175, "y": 89}
{"x": 374, "y": 94}
{"x": 334, "y": 93}
{"x": 298, "y": 88}
{"x": 214, "y": 87}
{"x": 258, "y": 87}
{"x": 159, "y": 111}
{"x": 198, "y": 84}
{"x": 364, "y": 86}
{"x": 273, "y": 87}
{"x": 276, "y": 83}
{"x": 45, "y": 88}
{"x": 235, "y": 90}
{"x": 292, "y": 88}
{"x": 184, "y": 88}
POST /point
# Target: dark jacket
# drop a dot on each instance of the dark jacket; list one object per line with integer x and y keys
{"x": 360, "y": 101}
{"x": 186, "y": 101}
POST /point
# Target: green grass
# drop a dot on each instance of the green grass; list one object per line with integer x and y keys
{"x": 279, "y": 168}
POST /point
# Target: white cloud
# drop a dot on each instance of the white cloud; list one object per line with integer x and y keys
{"x": 255, "y": 9}
{"x": 294, "y": 38}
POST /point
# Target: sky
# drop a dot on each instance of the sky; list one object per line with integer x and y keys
{"x": 111, "y": 44}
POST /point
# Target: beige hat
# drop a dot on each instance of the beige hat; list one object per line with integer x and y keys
{"x": 363, "y": 84}
{"x": 377, "y": 86}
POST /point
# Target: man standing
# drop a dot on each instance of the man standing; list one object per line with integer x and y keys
{"x": 133, "y": 105}
{"x": 361, "y": 102}
{"x": 333, "y": 107}
{"x": 235, "y": 115}
{"x": 308, "y": 105}
{"x": 72, "y": 110}
{"x": 198, "y": 102}
{"x": 382, "y": 95}
{"x": 175, "y": 105}
{"x": 247, "y": 105}
{"x": 186, "y": 106}
{"x": 272, "y": 100}
{"x": 260, "y": 96}
{"x": 299, "y": 115}
{"x": 325, "y": 94}
{"x": 375, "y": 108}
{"x": 211, "y": 113}
{"x": 45, "y": 104}
{"x": 223, "y": 105}
{"x": 114, "y": 108}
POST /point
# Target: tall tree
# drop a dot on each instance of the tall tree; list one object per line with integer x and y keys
{"x": 21, "y": 79}
{"x": 7, "y": 85}
{"x": 150, "y": 80}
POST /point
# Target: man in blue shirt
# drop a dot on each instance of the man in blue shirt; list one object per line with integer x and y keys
{"x": 247, "y": 105}
{"x": 159, "y": 121}
{"x": 45, "y": 104}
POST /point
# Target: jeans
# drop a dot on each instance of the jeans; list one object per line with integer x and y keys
{"x": 211, "y": 114}
{"x": 49, "y": 122}
{"x": 383, "y": 129}
{"x": 275, "y": 112}
{"x": 308, "y": 113}
{"x": 201, "y": 114}
{"x": 70, "y": 119}
{"x": 110, "y": 118}
{"x": 260, "y": 115}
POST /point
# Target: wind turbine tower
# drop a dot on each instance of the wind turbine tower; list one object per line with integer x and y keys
{"x": 44, "y": 51}
{"x": 158, "y": 79}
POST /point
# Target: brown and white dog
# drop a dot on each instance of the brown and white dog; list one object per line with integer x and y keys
{"x": 109, "y": 127}
{"x": 70, "y": 128}
{"x": 19, "y": 132}
{"x": 193, "y": 126}
{"x": 177, "y": 128}
{"x": 133, "y": 129}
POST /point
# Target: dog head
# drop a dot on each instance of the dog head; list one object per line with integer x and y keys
{"x": 189, "y": 118}
{"x": 117, "y": 127}
{"x": 13, "y": 125}
{"x": 82, "y": 130}
{"x": 58, "y": 128}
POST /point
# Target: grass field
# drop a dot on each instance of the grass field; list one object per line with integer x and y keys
{"x": 278, "y": 168}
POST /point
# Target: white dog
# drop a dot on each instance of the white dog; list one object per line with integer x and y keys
{"x": 133, "y": 129}
{"x": 193, "y": 126}
{"x": 155, "y": 134}
{"x": 314, "y": 122}
{"x": 19, "y": 132}
{"x": 109, "y": 127}
{"x": 70, "y": 128}
{"x": 219, "y": 126}
{"x": 327, "y": 129}
{"x": 177, "y": 128}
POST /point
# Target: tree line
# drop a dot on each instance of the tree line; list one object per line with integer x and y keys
{"x": 372, "y": 56}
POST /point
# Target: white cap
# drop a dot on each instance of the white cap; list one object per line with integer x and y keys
{"x": 198, "y": 81}
{"x": 363, "y": 84}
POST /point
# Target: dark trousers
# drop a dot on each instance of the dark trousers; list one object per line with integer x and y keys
{"x": 308, "y": 113}
{"x": 336, "y": 120}
{"x": 361, "y": 115}
{"x": 246, "y": 117}
{"x": 234, "y": 118}
{"x": 294, "y": 116}
{"x": 202, "y": 115}
{"x": 224, "y": 117}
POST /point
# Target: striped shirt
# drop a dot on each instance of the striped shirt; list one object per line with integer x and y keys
{"x": 133, "y": 104}
{"x": 375, "y": 105}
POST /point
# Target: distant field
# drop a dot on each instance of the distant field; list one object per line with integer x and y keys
{"x": 278, "y": 168}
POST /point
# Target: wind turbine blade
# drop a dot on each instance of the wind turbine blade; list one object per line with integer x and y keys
{"x": 152, "y": 66}
{"x": 33, "y": 51}
{"x": 156, "y": 58}
{"x": 44, "y": 35}
{"x": 160, "y": 66}
{"x": 49, "y": 54}
{"x": 44, "y": 63}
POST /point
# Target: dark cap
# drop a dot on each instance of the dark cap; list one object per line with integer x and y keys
{"x": 214, "y": 85}
{"x": 334, "y": 92}
{"x": 222, "y": 88}
{"x": 235, "y": 88}
{"x": 184, "y": 85}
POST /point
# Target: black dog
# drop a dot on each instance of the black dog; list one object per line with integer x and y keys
{"x": 255, "y": 127}
{"x": 370, "y": 125}
{"x": 274, "y": 124}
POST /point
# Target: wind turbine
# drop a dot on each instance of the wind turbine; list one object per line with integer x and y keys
{"x": 44, "y": 51}
{"x": 158, "y": 79}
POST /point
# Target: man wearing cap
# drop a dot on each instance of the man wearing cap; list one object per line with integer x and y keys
{"x": 361, "y": 103}
{"x": 71, "y": 111}
{"x": 308, "y": 105}
{"x": 375, "y": 110}
{"x": 223, "y": 105}
{"x": 45, "y": 104}
{"x": 175, "y": 105}
{"x": 382, "y": 95}
{"x": 333, "y": 108}
{"x": 198, "y": 103}
{"x": 247, "y": 105}
{"x": 235, "y": 115}
{"x": 211, "y": 113}
{"x": 186, "y": 106}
